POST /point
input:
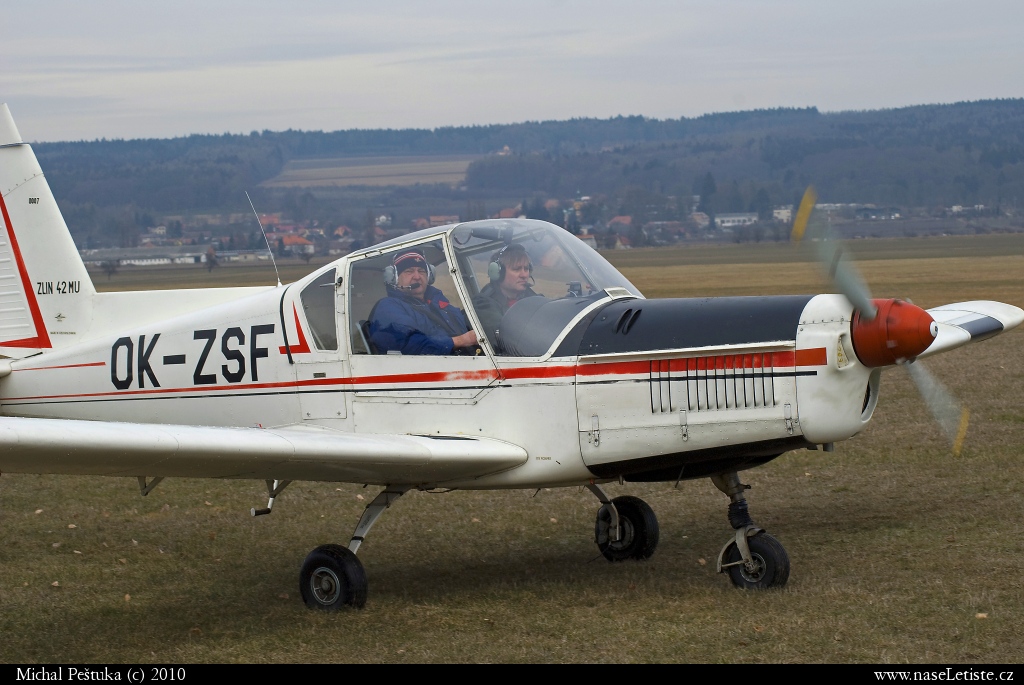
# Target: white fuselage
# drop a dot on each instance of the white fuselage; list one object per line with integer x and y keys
{"x": 230, "y": 365}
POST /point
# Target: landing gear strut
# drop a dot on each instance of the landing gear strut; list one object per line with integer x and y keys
{"x": 754, "y": 559}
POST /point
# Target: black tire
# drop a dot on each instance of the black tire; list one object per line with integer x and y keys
{"x": 332, "y": 578}
{"x": 638, "y": 536}
{"x": 770, "y": 558}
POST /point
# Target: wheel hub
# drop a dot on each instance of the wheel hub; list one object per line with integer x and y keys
{"x": 754, "y": 570}
{"x": 626, "y": 533}
{"x": 325, "y": 585}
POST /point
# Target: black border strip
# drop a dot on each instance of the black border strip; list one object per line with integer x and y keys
{"x": 982, "y": 328}
{"x": 284, "y": 328}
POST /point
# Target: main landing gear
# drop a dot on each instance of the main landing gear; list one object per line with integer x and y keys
{"x": 332, "y": 577}
{"x": 626, "y": 527}
{"x": 753, "y": 558}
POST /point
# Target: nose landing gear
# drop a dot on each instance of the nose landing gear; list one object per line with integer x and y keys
{"x": 753, "y": 559}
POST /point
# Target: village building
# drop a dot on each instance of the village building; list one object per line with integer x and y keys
{"x": 738, "y": 219}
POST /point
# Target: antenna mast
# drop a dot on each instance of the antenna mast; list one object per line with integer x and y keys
{"x": 272, "y": 260}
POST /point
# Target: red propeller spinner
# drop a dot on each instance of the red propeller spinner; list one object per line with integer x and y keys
{"x": 898, "y": 332}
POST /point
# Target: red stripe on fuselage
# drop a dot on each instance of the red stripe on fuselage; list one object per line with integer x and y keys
{"x": 630, "y": 368}
{"x": 816, "y": 356}
{"x": 614, "y": 368}
{"x": 62, "y": 366}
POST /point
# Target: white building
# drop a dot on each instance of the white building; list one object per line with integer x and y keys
{"x": 730, "y": 220}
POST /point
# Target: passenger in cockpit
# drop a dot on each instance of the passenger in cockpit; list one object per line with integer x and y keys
{"x": 416, "y": 317}
{"x": 510, "y": 273}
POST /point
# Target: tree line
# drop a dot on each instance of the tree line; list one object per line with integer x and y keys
{"x": 969, "y": 153}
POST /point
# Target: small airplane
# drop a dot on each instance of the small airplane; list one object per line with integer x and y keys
{"x": 583, "y": 382}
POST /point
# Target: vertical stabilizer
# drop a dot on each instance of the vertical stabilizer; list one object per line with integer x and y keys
{"x": 46, "y": 294}
{"x": 8, "y": 131}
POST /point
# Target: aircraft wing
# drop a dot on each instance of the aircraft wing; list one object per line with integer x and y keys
{"x": 33, "y": 445}
{"x": 965, "y": 322}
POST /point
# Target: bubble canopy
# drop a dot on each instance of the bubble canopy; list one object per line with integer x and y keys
{"x": 566, "y": 277}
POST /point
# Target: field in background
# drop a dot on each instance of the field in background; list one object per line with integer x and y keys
{"x": 900, "y": 552}
{"x": 372, "y": 171}
{"x": 960, "y": 268}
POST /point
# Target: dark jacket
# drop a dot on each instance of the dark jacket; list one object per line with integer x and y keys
{"x": 491, "y": 304}
{"x": 412, "y": 326}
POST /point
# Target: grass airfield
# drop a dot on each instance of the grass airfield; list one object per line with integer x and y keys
{"x": 900, "y": 552}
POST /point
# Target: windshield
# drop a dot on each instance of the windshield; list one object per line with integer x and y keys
{"x": 528, "y": 280}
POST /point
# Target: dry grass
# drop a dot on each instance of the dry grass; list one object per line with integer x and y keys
{"x": 197, "y": 276}
{"x": 371, "y": 171}
{"x": 897, "y": 548}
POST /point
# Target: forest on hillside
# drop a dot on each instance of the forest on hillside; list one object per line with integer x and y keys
{"x": 921, "y": 158}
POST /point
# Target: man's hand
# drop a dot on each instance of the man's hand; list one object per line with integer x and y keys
{"x": 465, "y": 340}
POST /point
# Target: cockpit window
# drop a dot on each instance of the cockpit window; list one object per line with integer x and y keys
{"x": 404, "y": 302}
{"x": 321, "y": 314}
{"x": 528, "y": 280}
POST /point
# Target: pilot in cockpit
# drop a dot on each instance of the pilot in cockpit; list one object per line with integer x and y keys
{"x": 510, "y": 273}
{"x": 416, "y": 317}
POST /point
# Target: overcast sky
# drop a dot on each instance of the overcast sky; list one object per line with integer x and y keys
{"x": 72, "y": 70}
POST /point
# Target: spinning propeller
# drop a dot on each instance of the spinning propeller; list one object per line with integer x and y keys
{"x": 885, "y": 332}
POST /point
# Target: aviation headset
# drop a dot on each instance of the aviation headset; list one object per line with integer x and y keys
{"x": 496, "y": 269}
{"x": 391, "y": 270}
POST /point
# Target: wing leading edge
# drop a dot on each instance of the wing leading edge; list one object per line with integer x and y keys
{"x": 30, "y": 445}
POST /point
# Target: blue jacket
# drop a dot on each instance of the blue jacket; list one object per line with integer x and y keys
{"x": 413, "y": 326}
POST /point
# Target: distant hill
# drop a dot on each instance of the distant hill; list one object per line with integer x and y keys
{"x": 969, "y": 153}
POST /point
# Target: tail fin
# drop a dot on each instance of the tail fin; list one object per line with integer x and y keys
{"x": 46, "y": 294}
